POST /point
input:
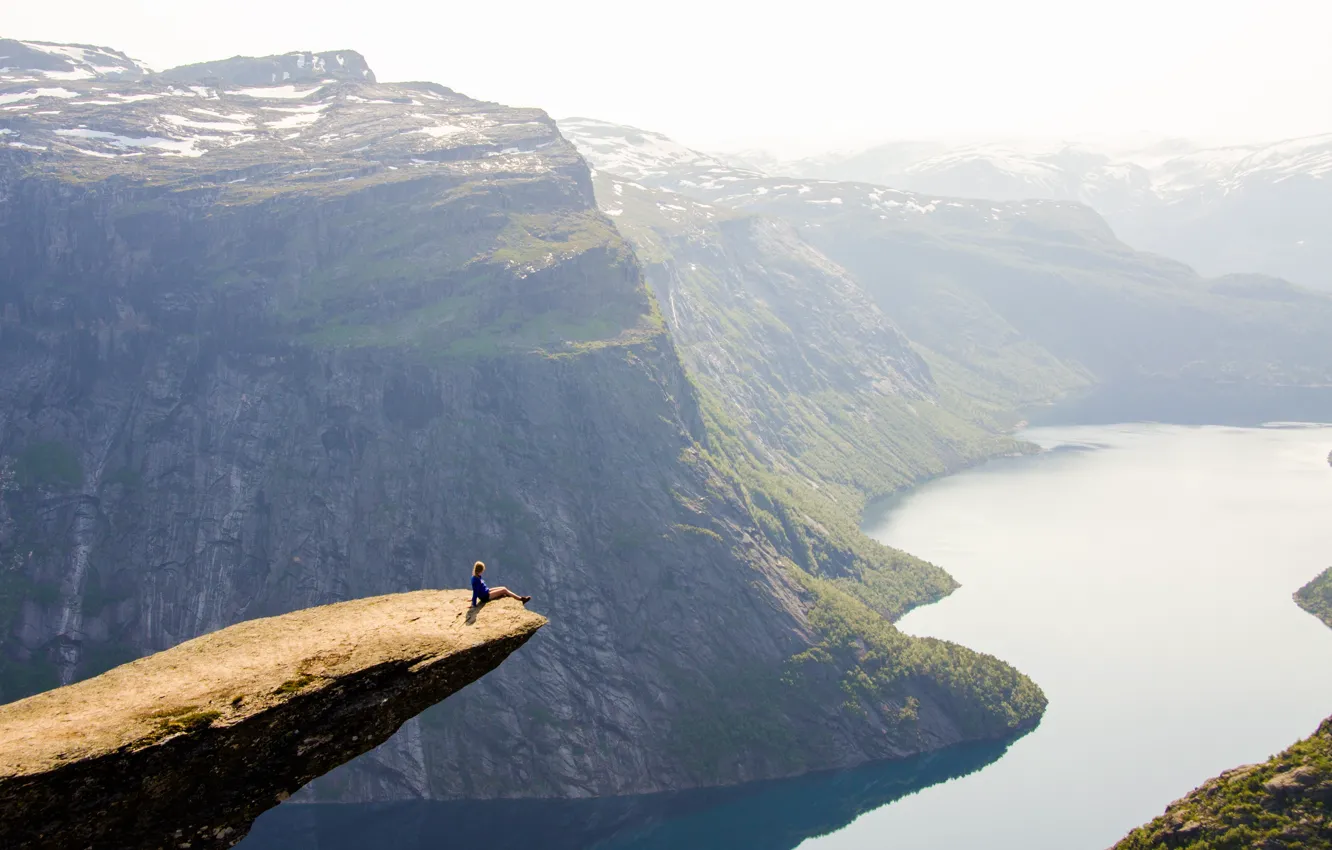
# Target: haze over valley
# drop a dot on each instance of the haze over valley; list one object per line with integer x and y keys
{"x": 874, "y": 489}
{"x": 1249, "y": 208}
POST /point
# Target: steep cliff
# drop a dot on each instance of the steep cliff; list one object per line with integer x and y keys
{"x": 812, "y": 394}
{"x": 188, "y": 746}
{"x": 270, "y": 346}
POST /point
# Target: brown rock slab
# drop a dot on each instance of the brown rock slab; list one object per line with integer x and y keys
{"x": 185, "y": 748}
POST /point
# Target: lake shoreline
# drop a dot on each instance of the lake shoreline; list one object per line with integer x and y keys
{"x": 1053, "y": 544}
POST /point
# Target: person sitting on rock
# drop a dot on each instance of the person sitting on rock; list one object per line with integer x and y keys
{"x": 482, "y": 594}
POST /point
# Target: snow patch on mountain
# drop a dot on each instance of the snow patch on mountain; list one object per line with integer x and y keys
{"x": 336, "y": 115}
{"x": 178, "y": 147}
{"x": 1229, "y": 168}
{"x": 645, "y": 156}
{"x": 284, "y": 92}
{"x": 67, "y": 62}
{"x": 32, "y": 94}
{"x": 221, "y": 126}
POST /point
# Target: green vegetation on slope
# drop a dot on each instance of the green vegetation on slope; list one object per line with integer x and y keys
{"x": 904, "y": 683}
{"x": 447, "y": 282}
{"x": 817, "y": 527}
{"x": 1316, "y": 597}
{"x": 811, "y": 397}
{"x": 854, "y": 587}
{"x": 985, "y": 697}
{"x": 813, "y": 403}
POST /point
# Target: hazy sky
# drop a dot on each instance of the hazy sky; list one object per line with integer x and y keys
{"x": 824, "y": 73}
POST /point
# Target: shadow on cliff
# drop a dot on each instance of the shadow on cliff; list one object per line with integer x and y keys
{"x": 762, "y": 816}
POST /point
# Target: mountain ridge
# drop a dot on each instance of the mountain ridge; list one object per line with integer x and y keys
{"x": 1246, "y": 208}
{"x": 320, "y": 351}
{"x": 1021, "y": 276}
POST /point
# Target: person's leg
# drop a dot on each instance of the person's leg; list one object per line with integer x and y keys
{"x": 502, "y": 592}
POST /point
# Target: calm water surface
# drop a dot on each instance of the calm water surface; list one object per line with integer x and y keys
{"x": 1141, "y": 574}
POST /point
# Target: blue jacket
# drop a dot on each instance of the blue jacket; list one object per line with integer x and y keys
{"x": 479, "y": 590}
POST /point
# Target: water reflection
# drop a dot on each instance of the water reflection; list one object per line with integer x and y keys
{"x": 762, "y": 816}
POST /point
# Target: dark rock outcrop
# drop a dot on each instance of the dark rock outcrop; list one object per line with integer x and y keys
{"x": 187, "y": 747}
{"x": 296, "y": 67}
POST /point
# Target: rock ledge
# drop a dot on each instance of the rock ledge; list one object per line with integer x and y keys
{"x": 187, "y": 747}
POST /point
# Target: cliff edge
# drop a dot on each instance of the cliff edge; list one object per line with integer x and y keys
{"x": 187, "y": 747}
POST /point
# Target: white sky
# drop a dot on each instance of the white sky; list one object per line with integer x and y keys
{"x": 790, "y": 76}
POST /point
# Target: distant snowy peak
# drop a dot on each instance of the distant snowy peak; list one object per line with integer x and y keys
{"x": 296, "y": 67}
{"x": 40, "y": 61}
{"x": 1005, "y": 173}
{"x": 645, "y": 157}
{"x": 1229, "y": 168}
{"x": 1115, "y": 178}
{"x": 645, "y": 166}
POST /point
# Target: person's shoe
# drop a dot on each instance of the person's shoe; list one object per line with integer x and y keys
{"x": 524, "y": 599}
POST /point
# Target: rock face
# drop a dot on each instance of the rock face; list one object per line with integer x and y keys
{"x": 187, "y": 747}
{"x": 298, "y": 67}
{"x": 270, "y": 346}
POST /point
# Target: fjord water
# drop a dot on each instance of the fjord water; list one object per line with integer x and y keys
{"x": 1141, "y": 574}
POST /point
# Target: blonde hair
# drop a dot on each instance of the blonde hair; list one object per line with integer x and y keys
{"x": 478, "y": 568}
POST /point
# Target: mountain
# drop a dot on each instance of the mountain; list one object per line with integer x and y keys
{"x": 1261, "y": 208}
{"x": 995, "y": 171}
{"x": 809, "y": 389}
{"x": 40, "y": 61}
{"x": 959, "y": 310}
{"x": 649, "y": 158}
{"x": 296, "y": 67}
{"x": 1016, "y": 302}
{"x": 271, "y": 342}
